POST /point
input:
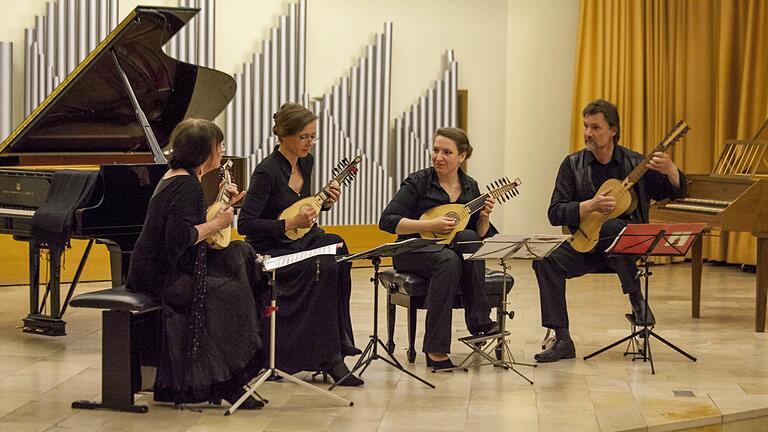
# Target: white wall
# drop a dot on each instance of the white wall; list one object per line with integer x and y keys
{"x": 515, "y": 58}
{"x": 541, "y": 52}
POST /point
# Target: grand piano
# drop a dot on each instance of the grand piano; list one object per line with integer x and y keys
{"x": 112, "y": 117}
{"x": 733, "y": 197}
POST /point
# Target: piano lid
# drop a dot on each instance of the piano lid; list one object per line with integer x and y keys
{"x": 90, "y": 111}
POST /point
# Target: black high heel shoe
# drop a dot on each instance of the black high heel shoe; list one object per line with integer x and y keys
{"x": 437, "y": 365}
{"x": 338, "y": 370}
{"x": 350, "y": 350}
{"x": 249, "y": 404}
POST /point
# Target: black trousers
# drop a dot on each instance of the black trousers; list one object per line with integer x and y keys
{"x": 448, "y": 273}
{"x": 566, "y": 263}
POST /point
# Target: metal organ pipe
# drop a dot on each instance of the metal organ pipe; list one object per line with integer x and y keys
{"x": 61, "y": 39}
{"x": 274, "y": 76}
{"x": 6, "y": 89}
{"x": 437, "y": 108}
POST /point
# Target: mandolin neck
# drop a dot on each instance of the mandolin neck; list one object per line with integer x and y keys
{"x": 477, "y": 203}
{"x": 223, "y": 193}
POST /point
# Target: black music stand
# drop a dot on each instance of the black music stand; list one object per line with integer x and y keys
{"x": 271, "y": 265}
{"x": 646, "y": 240}
{"x": 371, "y": 353}
{"x": 504, "y": 247}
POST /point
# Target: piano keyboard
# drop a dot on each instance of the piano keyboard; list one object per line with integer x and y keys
{"x": 706, "y": 202}
{"x": 16, "y": 212}
{"x": 698, "y": 205}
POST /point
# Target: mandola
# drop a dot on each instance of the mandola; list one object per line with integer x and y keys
{"x": 344, "y": 173}
{"x": 502, "y": 188}
{"x": 586, "y": 236}
{"x": 221, "y": 238}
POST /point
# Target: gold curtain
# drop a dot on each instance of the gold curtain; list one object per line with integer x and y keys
{"x": 659, "y": 61}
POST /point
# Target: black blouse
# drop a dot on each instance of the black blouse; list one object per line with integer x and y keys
{"x": 566, "y": 196}
{"x": 268, "y": 195}
{"x": 165, "y": 243}
{"x": 422, "y": 191}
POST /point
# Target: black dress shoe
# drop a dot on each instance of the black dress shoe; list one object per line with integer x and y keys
{"x": 437, "y": 365}
{"x": 487, "y": 329}
{"x": 559, "y": 350}
{"x": 350, "y": 350}
{"x": 638, "y": 310}
{"x": 250, "y": 404}
{"x": 339, "y": 371}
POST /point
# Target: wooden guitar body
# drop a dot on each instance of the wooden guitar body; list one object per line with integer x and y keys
{"x": 221, "y": 238}
{"x": 299, "y": 206}
{"x": 586, "y": 237}
{"x": 457, "y": 212}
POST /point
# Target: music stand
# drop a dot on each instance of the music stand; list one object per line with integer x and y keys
{"x": 271, "y": 265}
{"x": 504, "y": 247}
{"x": 646, "y": 240}
{"x": 371, "y": 353}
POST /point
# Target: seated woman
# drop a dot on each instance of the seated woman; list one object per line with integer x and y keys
{"x": 210, "y": 334}
{"x": 444, "y": 267}
{"x": 314, "y": 329}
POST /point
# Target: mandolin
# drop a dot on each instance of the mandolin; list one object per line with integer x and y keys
{"x": 503, "y": 189}
{"x": 344, "y": 173}
{"x": 586, "y": 236}
{"x": 221, "y": 238}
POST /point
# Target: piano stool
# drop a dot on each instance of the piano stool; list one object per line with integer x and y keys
{"x": 130, "y": 339}
{"x": 410, "y": 291}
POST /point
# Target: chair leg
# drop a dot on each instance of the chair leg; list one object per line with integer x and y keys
{"x": 391, "y": 315}
{"x": 411, "y": 333}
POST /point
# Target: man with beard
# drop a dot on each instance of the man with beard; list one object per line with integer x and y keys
{"x": 575, "y": 196}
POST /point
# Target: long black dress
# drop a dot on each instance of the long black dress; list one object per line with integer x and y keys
{"x": 313, "y": 295}
{"x": 210, "y": 333}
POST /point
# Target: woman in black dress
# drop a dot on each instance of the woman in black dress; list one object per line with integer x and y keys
{"x": 210, "y": 334}
{"x": 444, "y": 267}
{"x": 314, "y": 330}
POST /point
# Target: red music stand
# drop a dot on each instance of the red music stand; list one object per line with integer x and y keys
{"x": 646, "y": 240}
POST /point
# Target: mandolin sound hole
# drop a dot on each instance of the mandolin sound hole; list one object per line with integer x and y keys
{"x": 453, "y": 215}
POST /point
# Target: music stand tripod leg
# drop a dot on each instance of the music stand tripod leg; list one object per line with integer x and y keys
{"x": 371, "y": 350}
{"x": 499, "y": 343}
{"x": 272, "y": 370}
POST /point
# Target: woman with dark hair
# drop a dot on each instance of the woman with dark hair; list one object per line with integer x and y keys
{"x": 210, "y": 334}
{"x": 444, "y": 267}
{"x": 314, "y": 330}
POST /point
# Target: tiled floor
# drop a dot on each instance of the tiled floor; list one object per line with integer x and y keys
{"x": 726, "y": 389}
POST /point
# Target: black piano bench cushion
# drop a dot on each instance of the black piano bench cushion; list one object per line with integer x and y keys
{"x": 117, "y": 299}
{"x": 413, "y": 285}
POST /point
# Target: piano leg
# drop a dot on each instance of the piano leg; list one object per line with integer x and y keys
{"x": 696, "y": 266}
{"x": 761, "y": 281}
{"x": 54, "y": 284}
{"x": 37, "y": 322}
{"x": 34, "y": 278}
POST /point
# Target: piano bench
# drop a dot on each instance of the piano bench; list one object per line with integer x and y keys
{"x": 410, "y": 291}
{"x": 130, "y": 338}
